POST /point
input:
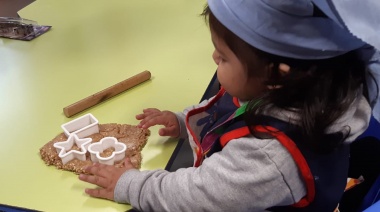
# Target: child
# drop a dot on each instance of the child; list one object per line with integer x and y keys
{"x": 276, "y": 135}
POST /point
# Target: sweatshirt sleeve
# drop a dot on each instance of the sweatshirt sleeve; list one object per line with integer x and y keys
{"x": 244, "y": 176}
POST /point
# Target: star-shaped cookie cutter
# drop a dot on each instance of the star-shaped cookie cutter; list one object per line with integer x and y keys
{"x": 64, "y": 148}
{"x": 97, "y": 148}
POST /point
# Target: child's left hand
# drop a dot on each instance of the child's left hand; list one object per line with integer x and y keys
{"x": 104, "y": 176}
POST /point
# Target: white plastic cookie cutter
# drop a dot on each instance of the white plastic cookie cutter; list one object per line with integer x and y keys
{"x": 76, "y": 131}
{"x": 64, "y": 148}
{"x": 83, "y": 126}
{"x": 97, "y": 148}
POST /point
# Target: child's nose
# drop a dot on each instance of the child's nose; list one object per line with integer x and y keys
{"x": 216, "y": 57}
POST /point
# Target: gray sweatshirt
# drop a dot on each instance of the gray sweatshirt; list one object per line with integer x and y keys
{"x": 249, "y": 174}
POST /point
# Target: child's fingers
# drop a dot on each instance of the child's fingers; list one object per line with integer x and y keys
{"x": 147, "y": 112}
{"x": 169, "y": 131}
{"x": 94, "y": 179}
{"x": 151, "y": 110}
{"x": 140, "y": 116}
{"x": 97, "y": 169}
{"x": 100, "y": 193}
{"x": 128, "y": 164}
{"x": 151, "y": 120}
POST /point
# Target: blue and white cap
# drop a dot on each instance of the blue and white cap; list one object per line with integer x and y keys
{"x": 291, "y": 28}
{"x": 361, "y": 18}
{"x": 285, "y": 27}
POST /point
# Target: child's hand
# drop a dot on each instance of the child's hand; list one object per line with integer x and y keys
{"x": 153, "y": 116}
{"x": 104, "y": 176}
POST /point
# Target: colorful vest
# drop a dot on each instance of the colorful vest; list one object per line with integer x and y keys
{"x": 212, "y": 126}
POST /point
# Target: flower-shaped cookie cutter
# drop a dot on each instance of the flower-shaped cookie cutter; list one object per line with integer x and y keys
{"x": 97, "y": 148}
{"x": 83, "y": 126}
{"x": 64, "y": 148}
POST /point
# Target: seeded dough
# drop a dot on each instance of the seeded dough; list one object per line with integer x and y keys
{"x": 135, "y": 138}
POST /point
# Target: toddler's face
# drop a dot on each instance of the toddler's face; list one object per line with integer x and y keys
{"x": 231, "y": 73}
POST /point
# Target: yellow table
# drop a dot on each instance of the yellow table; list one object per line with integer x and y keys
{"x": 93, "y": 45}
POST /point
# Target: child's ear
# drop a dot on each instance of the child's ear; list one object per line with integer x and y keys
{"x": 283, "y": 69}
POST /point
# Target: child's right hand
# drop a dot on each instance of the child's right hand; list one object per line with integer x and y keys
{"x": 153, "y": 116}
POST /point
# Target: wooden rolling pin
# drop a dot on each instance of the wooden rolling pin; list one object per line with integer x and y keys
{"x": 106, "y": 94}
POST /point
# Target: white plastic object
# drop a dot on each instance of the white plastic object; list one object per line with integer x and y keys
{"x": 97, "y": 148}
{"x": 64, "y": 148}
{"x": 83, "y": 126}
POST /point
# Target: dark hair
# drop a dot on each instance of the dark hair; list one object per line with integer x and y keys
{"x": 320, "y": 91}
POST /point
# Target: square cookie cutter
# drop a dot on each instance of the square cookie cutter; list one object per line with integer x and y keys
{"x": 83, "y": 126}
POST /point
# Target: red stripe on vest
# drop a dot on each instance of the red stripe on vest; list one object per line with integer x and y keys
{"x": 292, "y": 149}
{"x": 236, "y": 101}
{"x": 237, "y": 133}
